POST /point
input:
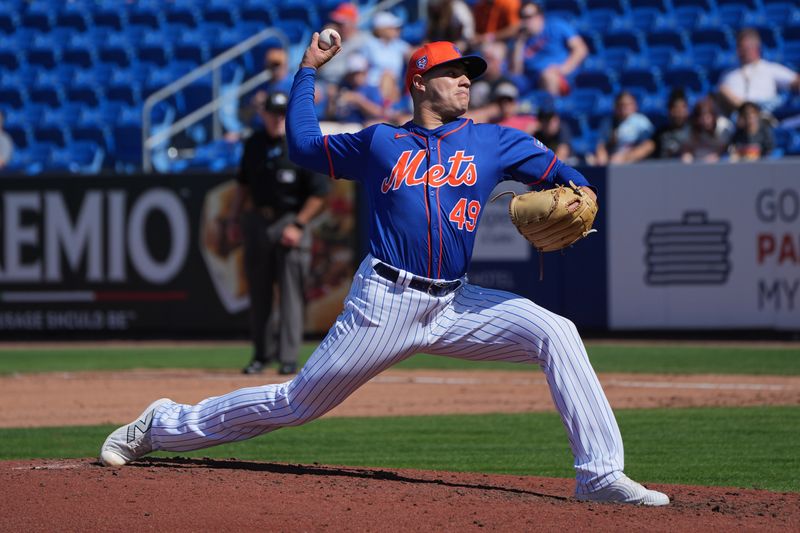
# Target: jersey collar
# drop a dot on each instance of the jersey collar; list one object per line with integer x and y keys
{"x": 436, "y": 132}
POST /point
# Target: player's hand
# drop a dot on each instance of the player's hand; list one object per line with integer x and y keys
{"x": 291, "y": 236}
{"x": 315, "y": 56}
{"x": 590, "y": 193}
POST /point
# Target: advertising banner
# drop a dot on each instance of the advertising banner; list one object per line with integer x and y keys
{"x": 704, "y": 246}
{"x": 123, "y": 257}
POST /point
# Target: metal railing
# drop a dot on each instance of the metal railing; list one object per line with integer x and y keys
{"x": 214, "y": 67}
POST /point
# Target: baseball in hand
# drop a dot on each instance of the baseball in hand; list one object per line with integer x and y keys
{"x": 326, "y": 38}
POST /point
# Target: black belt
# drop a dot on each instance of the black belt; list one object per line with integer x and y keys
{"x": 434, "y": 288}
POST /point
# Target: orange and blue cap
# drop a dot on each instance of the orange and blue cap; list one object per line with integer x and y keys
{"x": 440, "y": 53}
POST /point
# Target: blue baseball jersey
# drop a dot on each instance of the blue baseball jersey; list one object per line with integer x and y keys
{"x": 426, "y": 188}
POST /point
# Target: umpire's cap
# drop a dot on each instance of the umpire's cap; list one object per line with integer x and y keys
{"x": 277, "y": 102}
{"x": 440, "y": 53}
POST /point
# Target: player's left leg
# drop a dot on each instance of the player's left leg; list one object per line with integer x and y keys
{"x": 294, "y": 265}
{"x": 487, "y": 324}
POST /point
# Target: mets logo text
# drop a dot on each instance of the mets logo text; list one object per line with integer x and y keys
{"x": 405, "y": 171}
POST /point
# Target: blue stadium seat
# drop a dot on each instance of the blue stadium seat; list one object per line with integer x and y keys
{"x": 221, "y": 12}
{"x": 9, "y": 19}
{"x": 640, "y": 78}
{"x": 707, "y": 5}
{"x": 644, "y": 17}
{"x": 721, "y": 37}
{"x": 584, "y": 100}
{"x": 109, "y": 17}
{"x": 52, "y": 134}
{"x": 414, "y": 32}
{"x": 127, "y": 140}
{"x": 778, "y": 13}
{"x": 731, "y": 16}
{"x": 573, "y": 7}
{"x": 145, "y": 16}
{"x": 47, "y": 94}
{"x": 38, "y": 18}
{"x": 258, "y": 11}
{"x": 631, "y": 40}
{"x": 80, "y": 51}
{"x": 68, "y": 114}
{"x": 791, "y": 55}
{"x": 73, "y": 17}
{"x": 99, "y": 135}
{"x": 706, "y": 54}
{"x": 82, "y": 157}
{"x": 186, "y": 16}
{"x": 596, "y": 79}
{"x": 216, "y": 156}
{"x": 29, "y": 159}
{"x": 618, "y": 6}
{"x": 155, "y": 51}
{"x": 688, "y": 17}
{"x": 691, "y": 78}
{"x": 676, "y": 39}
{"x": 21, "y": 134}
{"x": 299, "y": 10}
{"x": 742, "y": 5}
{"x": 615, "y": 58}
{"x": 597, "y": 21}
{"x": 10, "y": 57}
{"x": 44, "y": 52}
{"x": 770, "y": 36}
{"x": 296, "y": 31}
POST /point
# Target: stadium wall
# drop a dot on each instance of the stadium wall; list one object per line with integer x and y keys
{"x": 679, "y": 247}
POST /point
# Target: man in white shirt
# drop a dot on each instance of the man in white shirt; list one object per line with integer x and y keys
{"x": 756, "y": 80}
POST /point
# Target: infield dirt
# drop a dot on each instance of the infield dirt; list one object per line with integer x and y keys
{"x": 178, "y": 494}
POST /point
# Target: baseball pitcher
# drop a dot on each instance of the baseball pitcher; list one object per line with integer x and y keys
{"x": 427, "y": 183}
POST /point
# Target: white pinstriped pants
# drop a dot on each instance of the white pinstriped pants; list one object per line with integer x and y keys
{"x": 384, "y": 323}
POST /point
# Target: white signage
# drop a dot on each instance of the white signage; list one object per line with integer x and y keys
{"x": 497, "y": 238}
{"x": 704, "y": 246}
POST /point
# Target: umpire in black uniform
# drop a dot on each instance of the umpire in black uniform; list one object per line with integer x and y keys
{"x": 275, "y": 201}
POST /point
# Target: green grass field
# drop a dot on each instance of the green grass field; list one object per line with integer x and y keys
{"x": 605, "y": 358}
{"x": 742, "y": 447}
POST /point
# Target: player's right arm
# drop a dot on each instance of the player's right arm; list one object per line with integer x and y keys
{"x": 341, "y": 156}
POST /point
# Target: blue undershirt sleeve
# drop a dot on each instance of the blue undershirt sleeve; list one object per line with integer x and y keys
{"x": 339, "y": 156}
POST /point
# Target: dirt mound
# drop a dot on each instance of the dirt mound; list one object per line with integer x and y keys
{"x": 212, "y": 495}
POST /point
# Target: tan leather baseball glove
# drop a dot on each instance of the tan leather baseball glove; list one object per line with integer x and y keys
{"x": 554, "y": 218}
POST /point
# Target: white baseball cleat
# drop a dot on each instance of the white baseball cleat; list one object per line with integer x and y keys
{"x": 626, "y": 490}
{"x": 131, "y": 441}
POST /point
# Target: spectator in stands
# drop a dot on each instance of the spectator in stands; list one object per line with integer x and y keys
{"x": 386, "y": 52}
{"x": 495, "y": 20}
{"x": 708, "y": 137}
{"x": 495, "y": 54}
{"x": 344, "y": 19}
{"x": 276, "y": 63}
{"x": 506, "y": 97}
{"x": 6, "y": 144}
{"x": 669, "y": 140}
{"x": 547, "y": 50}
{"x": 357, "y": 101}
{"x": 555, "y": 134}
{"x": 753, "y": 138}
{"x": 625, "y": 137}
{"x": 450, "y": 20}
{"x": 756, "y": 80}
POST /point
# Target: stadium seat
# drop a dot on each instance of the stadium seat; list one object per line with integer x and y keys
{"x": 646, "y": 79}
{"x": 9, "y": 19}
{"x": 615, "y": 58}
{"x": 706, "y": 54}
{"x": 584, "y": 100}
{"x": 145, "y": 16}
{"x": 13, "y": 96}
{"x": 742, "y": 5}
{"x": 596, "y": 79}
{"x": 644, "y": 17}
{"x": 221, "y": 12}
{"x": 573, "y": 7}
{"x": 791, "y": 55}
{"x": 109, "y": 17}
{"x": 52, "y": 134}
{"x": 74, "y": 18}
{"x": 30, "y": 159}
{"x": 21, "y": 134}
{"x": 706, "y": 5}
{"x": 596, "y": 21}
{"x": 127, "y": 140}
{"x": 675, "y": 39}
{"x": 10, "y": 57}
{"x": 259, "y": 12}
{"x": 721, "y": 37}
{"x": 186, "y": 16}
{"x": 299, "y": 10}
{"x": 156, "y": 51}
{"x": 691, "y": 78}
{"x": 215, "y": 156}
{"x": 81, "y": 157}
{"x": 778, "y": 13}
{"x": 688, "y": 17}
{"x": 47, "y": 94}
{"x": 38, "y": 18}
{"x": 631, "y": 40}
{"x": 618, "y": 6}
